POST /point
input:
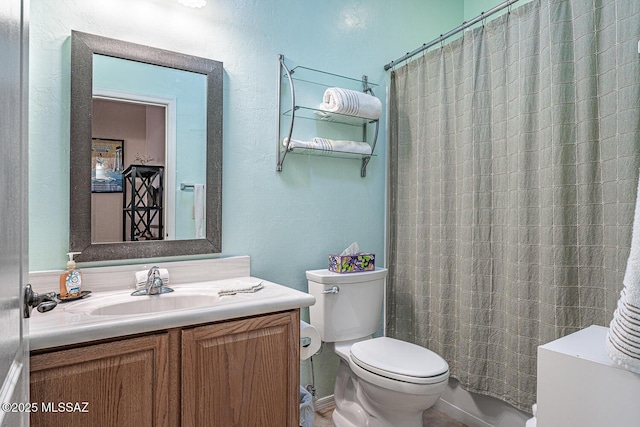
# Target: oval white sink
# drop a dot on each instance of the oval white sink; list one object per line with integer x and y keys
{"x": 129, "y": 305}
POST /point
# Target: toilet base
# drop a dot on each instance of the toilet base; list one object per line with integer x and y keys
{"x": 362, "y": 404}
{"x": 348, "y": 412}
{"x": 339, "y": 420}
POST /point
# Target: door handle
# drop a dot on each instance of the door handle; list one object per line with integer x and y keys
{"x": 42, "y": 302}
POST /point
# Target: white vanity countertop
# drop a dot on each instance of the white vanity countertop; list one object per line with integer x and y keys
{"x": 69, "y": 323}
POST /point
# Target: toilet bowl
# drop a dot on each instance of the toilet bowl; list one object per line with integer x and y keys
{"x": 384, "y": 382}
{"x": 381, "y": 382}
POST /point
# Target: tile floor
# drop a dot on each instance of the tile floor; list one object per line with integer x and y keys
{"x": 432, "y": 418}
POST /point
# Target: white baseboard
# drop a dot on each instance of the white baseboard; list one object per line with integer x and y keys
{"x": 459, "y": 414}
{"x": 441, "y": 405}
{"x": 476, "y": 410}
{"x": 502, "y": 414}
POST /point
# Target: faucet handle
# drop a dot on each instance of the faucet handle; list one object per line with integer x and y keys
{"x": 155, "y": 285}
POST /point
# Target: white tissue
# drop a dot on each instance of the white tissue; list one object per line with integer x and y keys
{"x": 309, "y": 340}
{"x": 352, "y": 249}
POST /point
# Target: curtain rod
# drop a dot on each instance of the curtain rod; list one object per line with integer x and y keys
{"x": 456, "y": 30}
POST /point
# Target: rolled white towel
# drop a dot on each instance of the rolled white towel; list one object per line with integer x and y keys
{"x": 351, "y": 102}
{"x": 141, "y": 278}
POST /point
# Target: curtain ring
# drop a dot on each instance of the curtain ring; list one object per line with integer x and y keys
{"x": 484, "y": 19}
{"x": 441, "y": 42}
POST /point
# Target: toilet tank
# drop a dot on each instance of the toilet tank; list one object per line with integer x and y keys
{"x": 351, "y": 313}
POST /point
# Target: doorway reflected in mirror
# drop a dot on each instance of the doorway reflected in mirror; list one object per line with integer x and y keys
{"x": 142, "y": 126}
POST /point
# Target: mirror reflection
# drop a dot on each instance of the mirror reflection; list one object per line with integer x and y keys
{"x": 153, "y": 117}
{"x": 146, "y": 151}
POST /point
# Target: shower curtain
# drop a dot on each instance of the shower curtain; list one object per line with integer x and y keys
{"x": 514, "y": 155}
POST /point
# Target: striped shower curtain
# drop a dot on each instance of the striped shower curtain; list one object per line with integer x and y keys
{"x": 514, "y": 154}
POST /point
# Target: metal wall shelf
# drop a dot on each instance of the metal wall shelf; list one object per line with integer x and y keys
{"x": 302, "y": 108}
{"x": 327, "y": 116}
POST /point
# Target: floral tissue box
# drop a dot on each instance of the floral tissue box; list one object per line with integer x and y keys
{"x": 352, "y": 263}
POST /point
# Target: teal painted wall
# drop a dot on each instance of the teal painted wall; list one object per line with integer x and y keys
{"x": 473, "y": 8}
{"x": 289, "y": 221}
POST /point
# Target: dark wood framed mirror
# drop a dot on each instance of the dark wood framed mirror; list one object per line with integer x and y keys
{"x": 84, "y": 47}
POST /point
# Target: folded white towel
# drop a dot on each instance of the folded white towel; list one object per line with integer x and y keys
{"x": 343, "y": 146}
{"x": 623, "y": 338}
{"x": 622, "y": 345}
{"x": 329, "y": 145}
{"x": 241, "y": 287}
{"x": 351, "y": 102}
{"x": 141, "y": 278}
{"x": 631, "y": 279}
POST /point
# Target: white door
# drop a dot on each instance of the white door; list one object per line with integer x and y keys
{"x": 14, "y": 348}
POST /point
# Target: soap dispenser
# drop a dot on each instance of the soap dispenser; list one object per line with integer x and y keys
{"x": 70, "y": 280}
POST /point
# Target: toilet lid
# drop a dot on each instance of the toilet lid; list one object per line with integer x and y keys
{"x": 397, "y": 359}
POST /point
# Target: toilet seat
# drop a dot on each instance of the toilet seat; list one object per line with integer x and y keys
{"x": 399, "y": 360}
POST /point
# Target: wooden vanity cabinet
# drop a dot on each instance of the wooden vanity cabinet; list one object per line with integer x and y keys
{"x": 124, "y": 383}
{"x": 240, "y": 373}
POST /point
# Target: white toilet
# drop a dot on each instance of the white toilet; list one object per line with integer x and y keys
{"x": 381, "y": 382}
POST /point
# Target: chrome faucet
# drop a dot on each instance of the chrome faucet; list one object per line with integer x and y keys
{"x": 154, "y": 281}
{"x": 154, "y": 285}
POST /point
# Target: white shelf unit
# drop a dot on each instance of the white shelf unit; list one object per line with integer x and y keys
{"x": 579, "y": 385}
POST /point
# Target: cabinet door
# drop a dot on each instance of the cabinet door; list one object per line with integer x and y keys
{"x": 124, "y": 383}
{"x": 242, "y": 373}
